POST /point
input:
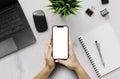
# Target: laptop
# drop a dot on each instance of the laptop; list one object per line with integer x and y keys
{"x": 15, "y": 32}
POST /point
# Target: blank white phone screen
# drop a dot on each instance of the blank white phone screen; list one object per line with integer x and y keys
{"x": 60, "y": 42}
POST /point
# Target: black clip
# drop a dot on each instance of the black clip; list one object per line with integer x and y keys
{"x": 89, "y": 12}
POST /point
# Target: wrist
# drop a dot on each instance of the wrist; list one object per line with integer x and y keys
{"x": 81, "y": 72}
{"x": 48, "y": 70}
{"x": 44, "y": 74}
{"x": 77, "y": 68}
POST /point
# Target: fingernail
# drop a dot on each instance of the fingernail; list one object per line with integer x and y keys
{"x": 49, "y": 46}
{"x": 56, "y": 61}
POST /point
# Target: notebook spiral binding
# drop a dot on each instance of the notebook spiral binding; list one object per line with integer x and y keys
{"x": 89, "y": 56}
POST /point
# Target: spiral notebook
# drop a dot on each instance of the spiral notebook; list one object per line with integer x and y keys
{"x": 110, "y": 49}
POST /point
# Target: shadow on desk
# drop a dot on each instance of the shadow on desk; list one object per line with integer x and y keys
{"x": 61, "y": 72}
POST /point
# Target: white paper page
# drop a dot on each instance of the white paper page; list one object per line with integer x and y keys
{"x": 110, "y": 48}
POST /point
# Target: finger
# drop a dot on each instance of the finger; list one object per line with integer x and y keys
{"x": 49, "y": 53}
{"x": 50, "y": 40}
{"x": 70, "y": 47}
{"x": 48, "y": 48}
{"x": 70, "y": 43}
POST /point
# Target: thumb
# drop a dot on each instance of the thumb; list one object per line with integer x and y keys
{"x": 61, "y": 62}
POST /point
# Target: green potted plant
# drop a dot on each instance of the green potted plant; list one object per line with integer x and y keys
{"x": 64, "y": 7}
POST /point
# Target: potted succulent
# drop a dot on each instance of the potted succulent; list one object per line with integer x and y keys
{"x": 64, "y": 7}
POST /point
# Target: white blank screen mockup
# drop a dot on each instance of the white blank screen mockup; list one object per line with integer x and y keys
{"x": 60, "y": 42}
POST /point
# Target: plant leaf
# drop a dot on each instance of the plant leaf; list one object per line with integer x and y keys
{"x": 65, "y": 7}
{"x": 75, "y": 3}
{"x": 62, "y": 3}
{"x": 73, "y": 10}
{"x": 56, "y": 10}
{"x": 68, "y": 12}
{"x": 50, "y": 6}
{"x": 52, "y": 1}
{"x": 57, "y": 4}
{"x": 69, "y": 1}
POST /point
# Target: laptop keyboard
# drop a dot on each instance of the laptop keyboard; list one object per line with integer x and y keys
{"x": 10, "y": 22}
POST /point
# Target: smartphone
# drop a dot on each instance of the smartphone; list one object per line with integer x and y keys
{"x": 60, "y": 42}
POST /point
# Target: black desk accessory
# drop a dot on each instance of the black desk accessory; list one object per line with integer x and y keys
{"x": 40, "y": 21}
{"x": 105, "y": 1}
{"x": 89, "y": 12}
{"x": 104, "y": 12}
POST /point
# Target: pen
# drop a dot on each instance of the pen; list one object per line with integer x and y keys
{"x": 99, "y": 51}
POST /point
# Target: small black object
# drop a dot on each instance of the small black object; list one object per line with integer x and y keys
{"x": 104, "y": 12}
{"x": 89, "y": 12}
{"x": 40, "y": 21}
{"x": 105, "y": 1}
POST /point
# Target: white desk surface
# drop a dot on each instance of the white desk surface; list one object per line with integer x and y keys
{"x": 26, "y": 63}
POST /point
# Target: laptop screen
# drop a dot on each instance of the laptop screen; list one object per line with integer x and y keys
{"x": 4, "y": 3}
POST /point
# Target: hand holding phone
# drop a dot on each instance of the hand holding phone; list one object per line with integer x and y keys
{"x": 60, "y": 42}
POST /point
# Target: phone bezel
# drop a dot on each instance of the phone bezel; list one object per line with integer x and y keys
{"x": 61, "y": 26}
